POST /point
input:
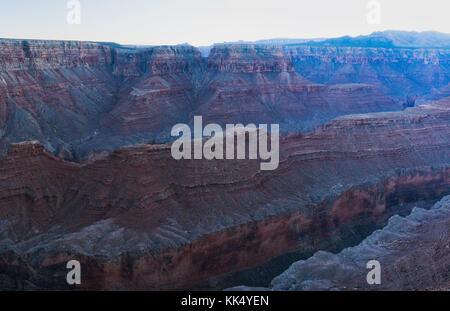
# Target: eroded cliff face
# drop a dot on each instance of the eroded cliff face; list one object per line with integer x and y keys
{"x": 158, "y": 89}
{"x": 259, "y": 84}
{"x": 78, "y": 97}
{"x": 53, "y": 91}
{"x": 396, "y": 72}
{"x": 138, "y": 219}
{"x": 413, "y": 253}
{"x": 65, "y": 94}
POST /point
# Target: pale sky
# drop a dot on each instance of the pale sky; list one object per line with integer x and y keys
{"x": 203, "y": 22}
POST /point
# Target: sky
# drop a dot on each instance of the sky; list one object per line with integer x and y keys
{"x": 203, "y": 22}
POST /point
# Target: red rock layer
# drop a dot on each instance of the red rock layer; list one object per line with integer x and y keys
{"x": 139, "y": 219}
{"x": 53, "y": 91}
{"x": 78, "y": 97}
{"x": 412, "y": 252}
{"x": 395, "y": 72}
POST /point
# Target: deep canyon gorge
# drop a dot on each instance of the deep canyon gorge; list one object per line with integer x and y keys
{"x": 86, "y": 170}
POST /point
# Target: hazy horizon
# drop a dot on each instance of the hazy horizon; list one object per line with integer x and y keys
{"x": 202, "y": 23}
{"x": 213, "y": 43}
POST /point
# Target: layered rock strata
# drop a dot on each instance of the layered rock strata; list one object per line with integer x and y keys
{"x": 413, "y": 253}
{"x": 79, "y": 97}
{"x": 138, "y": 219}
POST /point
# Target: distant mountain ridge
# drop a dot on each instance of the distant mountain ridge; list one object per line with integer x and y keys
{"x": 390, "y": 39}
{"x": 379, "y": 39}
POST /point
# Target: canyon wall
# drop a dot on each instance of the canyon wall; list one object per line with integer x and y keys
{"x": 53, "y": 91}
{"x": 79, "y": 97}
{"x": 138, "y": 219}
{"x": 86, "y": 171}
{"x": 396, "y": 72}
{"x": 413, "y": 253}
